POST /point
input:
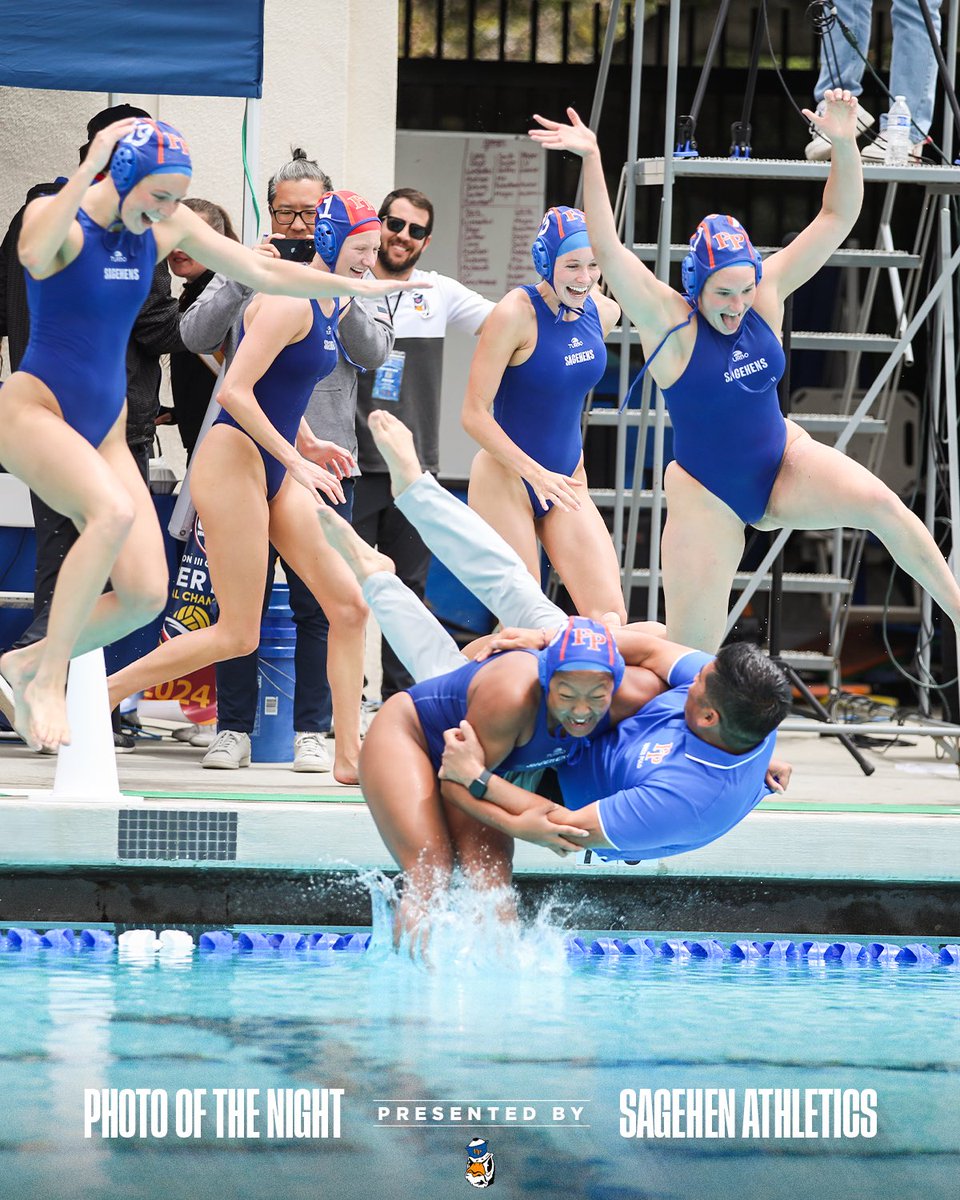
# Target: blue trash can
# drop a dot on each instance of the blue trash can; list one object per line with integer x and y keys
{"x": 272, "y": 737}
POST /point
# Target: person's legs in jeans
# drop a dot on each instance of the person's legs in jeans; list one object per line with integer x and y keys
{"x": 401, "y": 542}
{"x": 913, "y": 65}
{"x": 371, "y": 496}
{"x": 840, "y": 65}
{"x": 237, "y": 685}
{"x": 55, "y": 535}
{"x": 379, "y": 524}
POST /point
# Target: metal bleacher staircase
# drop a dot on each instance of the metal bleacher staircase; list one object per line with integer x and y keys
{"x": 850, "y": 413}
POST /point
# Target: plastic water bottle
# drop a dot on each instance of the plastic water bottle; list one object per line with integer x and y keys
{"x": 898, "y": 134}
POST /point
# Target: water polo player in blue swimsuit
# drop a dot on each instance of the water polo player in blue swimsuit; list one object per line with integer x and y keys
{"x": 251, "y": 485}
{"x": 540, "y": 352}
{"x": 90, "y": 252}
{"x": 715, "y": 353}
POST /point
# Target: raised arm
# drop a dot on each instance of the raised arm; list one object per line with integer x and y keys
{"x": 652, "y": 305}
{"x": 48, "y": 222}
{"x": 188, "y": 232}
{"x": 510, "y": 328}
{"x": 786, "y": 270}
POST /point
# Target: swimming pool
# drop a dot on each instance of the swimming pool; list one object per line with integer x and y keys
{"x": 501, "y": 1021}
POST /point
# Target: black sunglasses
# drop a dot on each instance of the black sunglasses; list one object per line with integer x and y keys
{"x": 398, "y": 225}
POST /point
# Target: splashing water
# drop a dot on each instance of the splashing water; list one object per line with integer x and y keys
{"x": 467, "y": 929}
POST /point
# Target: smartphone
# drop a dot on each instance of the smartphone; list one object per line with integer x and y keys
{"x": 295, "y": 249}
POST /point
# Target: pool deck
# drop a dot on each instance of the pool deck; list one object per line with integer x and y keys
{"x": 838, "y": 843}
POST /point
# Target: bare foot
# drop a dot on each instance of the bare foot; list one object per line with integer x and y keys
{"x": 17, "y": 668}
{"x": 42, "y": 715}
{"x": 345, "y": 770}
{"x": 362, "y": 559}
{"x": 395, "y": 442}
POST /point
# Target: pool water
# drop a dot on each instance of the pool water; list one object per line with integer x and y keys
{"x": 514, "y": 1023}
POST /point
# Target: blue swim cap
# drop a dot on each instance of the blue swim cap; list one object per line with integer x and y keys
{"x": 582, "y": 645}
{"x": 563, "y": 229}
{"x": 339, "y": 216}
{"x": 150, "y": 148}
{"x": 719, "y": 241}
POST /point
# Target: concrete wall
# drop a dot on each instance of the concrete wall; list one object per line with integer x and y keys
{"x": 329, "y": 85}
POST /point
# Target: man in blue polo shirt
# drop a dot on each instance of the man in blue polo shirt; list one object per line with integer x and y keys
{"x": 677, "y": 775}
{"x": 680, "y": 772}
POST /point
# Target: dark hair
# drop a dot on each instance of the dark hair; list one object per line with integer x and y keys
{"x": 299, "y": 167}
{"x": 215, "y": 216}
{"x": 412, "y": 196}
{"x": 116, "y": 112}
{"x": 751, "y": 694}
{"x": 107, "y": 116}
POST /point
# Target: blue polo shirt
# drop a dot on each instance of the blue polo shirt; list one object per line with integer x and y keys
{"x": 661, "y": 789}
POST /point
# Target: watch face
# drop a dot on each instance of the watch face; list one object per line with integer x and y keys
{"x": 479, "y": 786}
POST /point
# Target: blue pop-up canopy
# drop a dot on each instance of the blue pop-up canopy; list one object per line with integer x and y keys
{"x": 154, "y": 47}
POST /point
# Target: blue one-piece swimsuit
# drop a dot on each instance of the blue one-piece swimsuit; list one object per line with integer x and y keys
{"x": 728, "y": 431}
{"x": 441, "y": 704}
{"x": 539, "y": 403}
{"x": 286, "y": 387}
{"x": 81, "y": 320}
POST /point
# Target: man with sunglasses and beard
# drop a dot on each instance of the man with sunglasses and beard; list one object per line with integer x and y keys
{"x": 409, "y": 387}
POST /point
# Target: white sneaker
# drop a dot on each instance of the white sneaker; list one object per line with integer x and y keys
{"x": 6, "y": 701}
{"x": 818, "y": 149}
{"x": 875, "y": 152}
{"x": 368, "y": 710}
{"x": 309, "y": 753}
{"x": 228, "y": 751}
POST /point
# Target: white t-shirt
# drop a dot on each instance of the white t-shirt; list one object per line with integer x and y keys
{"x": 420, "y": 321}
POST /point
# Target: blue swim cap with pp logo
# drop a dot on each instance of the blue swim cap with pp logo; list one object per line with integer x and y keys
{"x": 150, "y": 148}
{"x": 581, "y": 645}
{"x": 719, "y": 241}
{"x": 563, "y": 229}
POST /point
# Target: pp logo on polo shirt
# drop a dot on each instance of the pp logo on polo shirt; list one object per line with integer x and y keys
{"x": 654, "y": 754}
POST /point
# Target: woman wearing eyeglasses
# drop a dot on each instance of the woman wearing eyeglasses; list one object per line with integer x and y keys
{"x": 254, "y": 485}
{"x": 539, "y": 355}
{"x": 90, "y": 252}
{"x": 331, "y": 415}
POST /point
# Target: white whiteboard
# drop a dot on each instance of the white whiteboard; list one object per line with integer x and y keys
{"x": 488, "y": 196}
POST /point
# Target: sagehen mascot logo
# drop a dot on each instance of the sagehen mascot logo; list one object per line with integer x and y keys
{"x": 480, "y": 1168}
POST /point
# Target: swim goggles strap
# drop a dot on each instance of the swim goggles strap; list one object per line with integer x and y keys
{"x": 639, "y": 375}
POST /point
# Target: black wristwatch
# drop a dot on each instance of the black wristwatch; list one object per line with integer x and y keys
{"x": 478, "y": 788}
